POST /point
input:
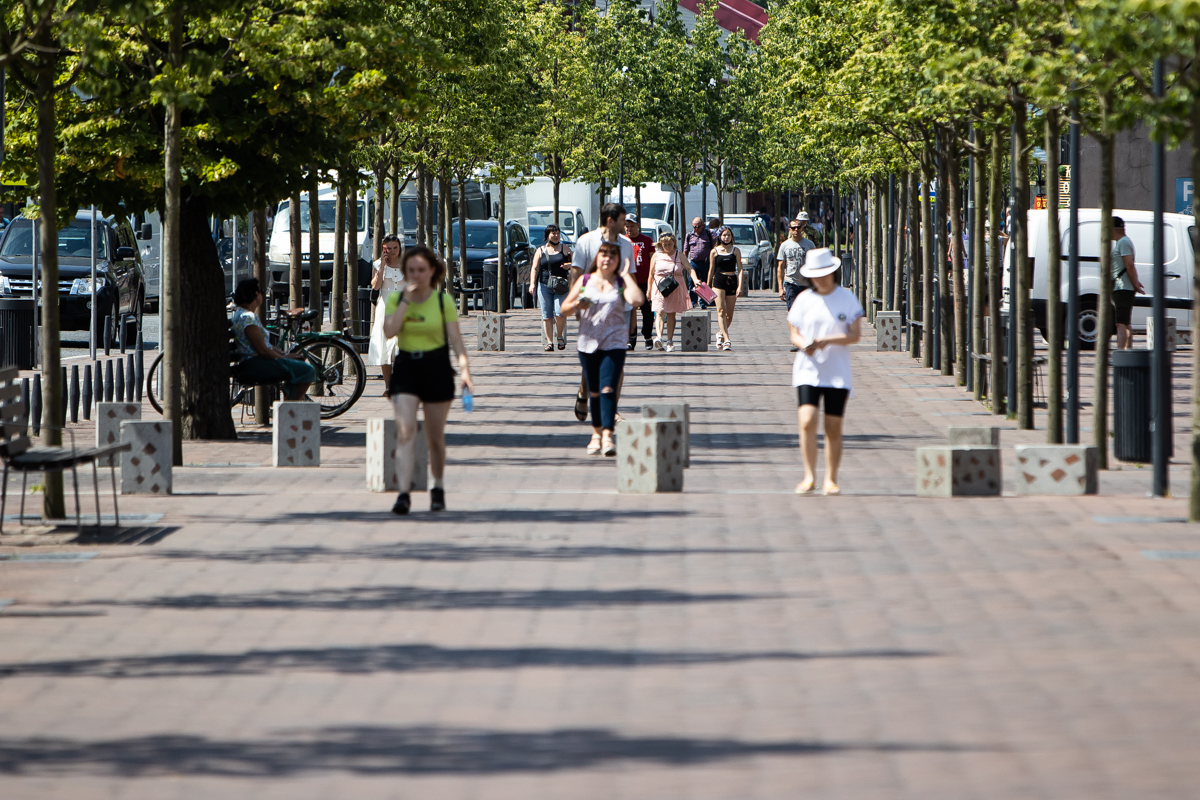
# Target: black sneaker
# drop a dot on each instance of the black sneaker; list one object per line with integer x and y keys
{"x": 437, "y": 499}
{"x": 649, "y": 344}
{"x": 403, "y": 503}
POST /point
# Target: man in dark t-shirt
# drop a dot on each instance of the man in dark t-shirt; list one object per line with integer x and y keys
{"x": 643, "y": 251}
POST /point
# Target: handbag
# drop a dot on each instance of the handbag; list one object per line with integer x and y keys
{"x": 667, "y": 285}
{"x": 705, "y": 293}
{"x": 558, "y": 284}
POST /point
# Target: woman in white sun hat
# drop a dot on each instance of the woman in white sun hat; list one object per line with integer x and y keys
{"x": 824, "y": 323}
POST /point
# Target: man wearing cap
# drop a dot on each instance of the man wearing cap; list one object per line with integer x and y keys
{"x": 643, "y": 251}
{"x": 823, "y": 322}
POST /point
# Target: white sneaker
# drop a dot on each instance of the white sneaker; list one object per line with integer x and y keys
{"x": 669, "y": 347}
{"x": 658, "y": 345}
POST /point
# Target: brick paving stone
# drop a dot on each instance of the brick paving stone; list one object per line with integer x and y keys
{"x": 547, "y": 637}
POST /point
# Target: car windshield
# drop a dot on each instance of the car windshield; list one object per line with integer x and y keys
{"x": 566, "y": 219}
{"x": 408, "y": 210}
{"x": 478, "y": 237}
{"x": 74, "y": 241}
{"x": 654, "y": 210}
{"x": 743, "y": 234}
{"x": 325, "y": 210}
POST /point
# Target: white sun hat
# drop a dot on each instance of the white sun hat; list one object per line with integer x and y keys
{"x": 820, "y": 261}
{"x": 802, "y": 216}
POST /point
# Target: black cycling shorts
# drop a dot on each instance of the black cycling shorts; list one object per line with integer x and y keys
{"x": 427, "y": 375}
{"x": 835, "y": 399}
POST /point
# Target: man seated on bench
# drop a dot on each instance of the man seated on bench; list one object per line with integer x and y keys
{"x": 258, "y": 362}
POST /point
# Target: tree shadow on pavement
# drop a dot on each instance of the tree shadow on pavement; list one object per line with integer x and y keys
{"x": 407, "y": 658}
{"x": 440, "y": 551}
{"x": 549, "y": 516}
{"x": 429, "y": 750}
{"x": 359, "y": 598}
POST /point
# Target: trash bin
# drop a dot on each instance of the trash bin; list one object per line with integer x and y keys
{"x": 1131, "y": 405}
{"x": 365, "y": 307}
{"x": 16, "y": 321}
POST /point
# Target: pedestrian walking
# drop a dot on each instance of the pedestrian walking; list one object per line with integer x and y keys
{"x": 789, "y": 260}
{"x": 697, "y": 246}
{"x": 725, "y": 276}
{"x": 601, "y": 296}
{"x": 824, "y": 322}
{"x": 587, "y": 247}
{"x": 1125, "y": 284}
{"x": 668, "y": 295}
{"x": 425, "y": 326}
{"x": 386, "y": 278}
{"x": 643, "y": 251}
{"x": 550, "y": 276}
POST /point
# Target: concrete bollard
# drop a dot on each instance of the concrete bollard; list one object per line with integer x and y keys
{"x": 649, "y": 456}
{"x": 381, "y": 457}
{"x": 981, "y": 437}
{"x": 146, "y": 468}
{"x": 1059, "y": 469}
{"x": 129, "y": 378}
{"x": 673, "y": 411}
{"x": 119, "y": 380}
{"x": 491, "y": 332}
{"x": 296, "y": 435}
{"x": 694, "y": 329}
{"x": 887, "y": 331}
{"x": 35, "y": 406}
{"x": 87, "y": 391}
{"x": 1172, "y": 334}
{"x": 109, "y": 417}
{"x": 108, "y": 381}
{"x": 73, "y": 394}
{"x": 98, "y": 383}
{"x": 958, "y": 471}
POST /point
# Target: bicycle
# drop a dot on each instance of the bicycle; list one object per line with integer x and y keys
{"x": 341, "y": 374}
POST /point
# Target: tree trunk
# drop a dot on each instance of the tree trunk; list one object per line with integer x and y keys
{"x": 1023, "y": 308}
{"x": 446, "y": 211}
{"x": 997, "y": 385}
{"x": 557, "y": 163}
{"x": 501, "y": 294}
{"x": 461, "y": 268}
{"x": 169, "y": 274}
{"x": 52, "y": 408}
{"x": 1100, "y": 401}
{"x": 337, "y": 293}
{"x": 295, "y": 263}
{"x": 262, "y": 409}
{"x": 927, "y": 260}
{"x": 837, "y": 208}
{"x": 979, "y": 265}
{"x": 914, "y": 255}
{"x": 314, "y": 247}
{"x": 901, "y": 275}
{"x": 352, "y": 254}
{"x": 954, "y": 190}
{"x": 433, "y": 211}
{"x": 945, "y": 322}
{"x": 203, "y": 329}
{"x": 873, "y": 248}
{"x": 422, "y": 204}
{"x": 1054, "y": 317}
{"x": 378, "y": 222}
{"x": 394, "y": 205}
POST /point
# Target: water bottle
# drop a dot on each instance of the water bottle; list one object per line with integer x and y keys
{"x": 468, "y": 400}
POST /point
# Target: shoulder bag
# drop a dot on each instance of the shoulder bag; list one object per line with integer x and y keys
{"x": 668, "y": 284}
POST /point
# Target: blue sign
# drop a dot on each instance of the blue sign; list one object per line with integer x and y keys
{"x": 1185, "y": 195}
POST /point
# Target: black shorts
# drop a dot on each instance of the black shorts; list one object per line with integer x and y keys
{"x": 725, "y": 281}
{"x": 835, "y": 399}
{"x": 1123, "y": 302}
{"x": 427, "y": 375}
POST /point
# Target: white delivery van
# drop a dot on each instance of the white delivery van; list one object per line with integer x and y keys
{"x": 571, "y": 220}
{"x": 1179, "y": 232}
{"x": 279, "y": 248}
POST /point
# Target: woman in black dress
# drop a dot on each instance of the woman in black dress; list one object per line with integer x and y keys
{"x": 725, "y": 276}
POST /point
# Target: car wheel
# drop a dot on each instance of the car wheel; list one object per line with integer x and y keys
{"x": 106, "y": 314}
{"x": 1087, "y": 321}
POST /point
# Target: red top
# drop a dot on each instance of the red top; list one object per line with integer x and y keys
{"x": 643, "y": 251}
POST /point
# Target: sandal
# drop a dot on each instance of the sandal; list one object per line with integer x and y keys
{"x": 593, "y": 447}
{"x": 805, "y": 487}
{"x": 549, "y": 348}
{"x": 610, "y": 449}
{"x": 581, "y": 407}
{"x": 562, "y": 343}
{"x": 831, "y": 490}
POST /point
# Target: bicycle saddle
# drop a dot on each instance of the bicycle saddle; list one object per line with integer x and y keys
{"x": 305, "y": 316}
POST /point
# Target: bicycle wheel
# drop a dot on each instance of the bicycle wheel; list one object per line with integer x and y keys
{"x": 154, "y": 383}
{"x": 341, "y": 374}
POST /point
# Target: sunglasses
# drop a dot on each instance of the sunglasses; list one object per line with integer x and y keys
{"x": 793, "y": 227}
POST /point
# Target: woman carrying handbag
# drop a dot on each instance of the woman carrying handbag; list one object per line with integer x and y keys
{"x": 549, "y": 274}
{"x": 668, "y": 290}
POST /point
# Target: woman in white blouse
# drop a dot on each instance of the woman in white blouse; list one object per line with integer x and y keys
{"x": 386, "y": 278}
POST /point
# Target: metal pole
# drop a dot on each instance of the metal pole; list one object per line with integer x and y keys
{"x": 233, "y": 263}
{"x": 1160, "y": 425}
{"x": 92, "y": 291}
{"x": 37, "y": 317}
{"x": 890, "y": 281}
{"x": 1072, "y": 420}
{"x": 970, "y": 365}
{"x": 1011, "y": 348}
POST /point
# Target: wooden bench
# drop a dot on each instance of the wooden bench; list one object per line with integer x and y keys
{"x": 18, "y": 455}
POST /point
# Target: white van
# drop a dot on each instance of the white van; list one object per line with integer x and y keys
{"x": 1179, "y": 232}
{"x": 570, "y": 219}
{"x": 279, "y": 248}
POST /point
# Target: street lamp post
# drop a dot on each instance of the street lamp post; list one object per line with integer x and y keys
{"x": 1160, "y": 415}
{"x": 1072, "y": 421}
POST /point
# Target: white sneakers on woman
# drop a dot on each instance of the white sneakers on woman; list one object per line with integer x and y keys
{"x": 669, "y": 347}
{"x": 658, "y": 343}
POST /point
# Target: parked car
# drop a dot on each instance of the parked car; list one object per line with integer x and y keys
{"x": 120, "y": 282}
{"x": 1179, "y": 234}
{"x": 751, "y": 237}
{"x": 570, "y": 219}
{"x": 482, "y": 241}
{"x": 537, "y": 237}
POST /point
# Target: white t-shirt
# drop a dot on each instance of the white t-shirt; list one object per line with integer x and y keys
{"x": 589, "y": 244}
{"x": 817, "y": 316}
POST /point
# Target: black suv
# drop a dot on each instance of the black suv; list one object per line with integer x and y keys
{"x": 482, "y": 240}
{"x": 120, "y": 283}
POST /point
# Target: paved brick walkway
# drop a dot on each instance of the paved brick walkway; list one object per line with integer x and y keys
{"x": 548, "y": 638}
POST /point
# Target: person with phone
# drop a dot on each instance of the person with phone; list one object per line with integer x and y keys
{"x": 424, "y": 321}
{"x": 550, "y": 274}
{"x": 601, "y": 295}
{"x": 385, "y": 279}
